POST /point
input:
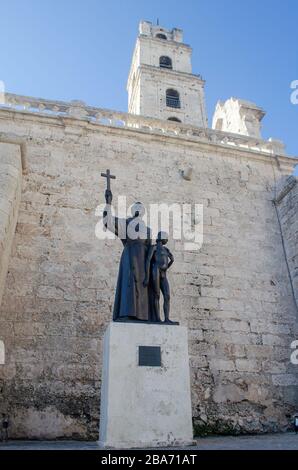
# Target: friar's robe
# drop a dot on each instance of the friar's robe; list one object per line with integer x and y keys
{"x": 133, "y": 301}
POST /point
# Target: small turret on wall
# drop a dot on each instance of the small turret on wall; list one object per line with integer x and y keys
{"x": 238, "y": 117}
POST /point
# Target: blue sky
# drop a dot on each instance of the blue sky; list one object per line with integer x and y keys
{"x": 73, "y": 49}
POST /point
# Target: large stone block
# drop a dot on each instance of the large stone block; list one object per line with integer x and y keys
{"x": 145, "y": 406}
{"x": 2, "y": 353}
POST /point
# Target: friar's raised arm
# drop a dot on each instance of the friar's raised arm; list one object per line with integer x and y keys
{"x": 110, "y": 222}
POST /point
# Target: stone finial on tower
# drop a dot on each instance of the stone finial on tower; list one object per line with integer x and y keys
{"x": 145, "y": 28}
{"x": 238, "y": 117}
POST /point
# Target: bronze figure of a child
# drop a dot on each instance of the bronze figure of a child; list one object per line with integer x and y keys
{"x": 160, "y": 259}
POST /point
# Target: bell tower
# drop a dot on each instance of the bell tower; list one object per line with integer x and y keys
{"x": 161, "y": 83}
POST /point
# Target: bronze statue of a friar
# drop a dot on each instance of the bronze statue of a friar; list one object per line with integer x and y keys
{"x": 142, "y": 270}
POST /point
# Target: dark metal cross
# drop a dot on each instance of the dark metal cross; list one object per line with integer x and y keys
{"x": 109, "y": 177}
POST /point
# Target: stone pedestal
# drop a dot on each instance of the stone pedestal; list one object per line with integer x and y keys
{"x": 145, "y": 405}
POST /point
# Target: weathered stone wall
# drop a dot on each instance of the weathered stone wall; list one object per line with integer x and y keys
{"x": 10, "y": 195}
{"x": 287, "y": 206}
{"x": 234, "y": 294}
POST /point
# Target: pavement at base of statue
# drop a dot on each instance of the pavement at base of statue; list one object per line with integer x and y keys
{"x": 285, "y": 441}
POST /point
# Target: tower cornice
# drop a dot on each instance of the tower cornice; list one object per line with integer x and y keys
{"x": 173, "y": 73}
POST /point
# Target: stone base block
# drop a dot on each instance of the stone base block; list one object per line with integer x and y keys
{"x": 145, "y": 397}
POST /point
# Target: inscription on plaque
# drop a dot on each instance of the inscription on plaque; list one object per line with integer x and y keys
{"x": 150, "y": 356}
